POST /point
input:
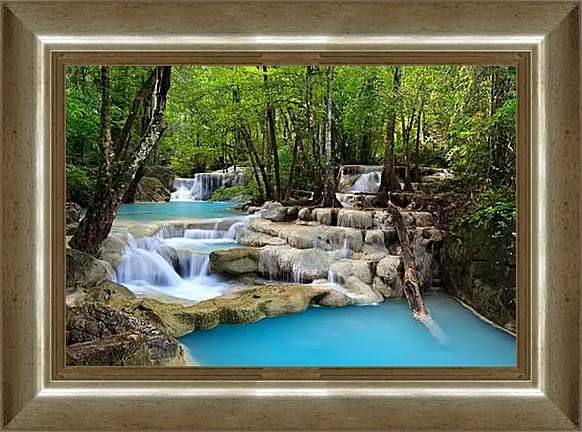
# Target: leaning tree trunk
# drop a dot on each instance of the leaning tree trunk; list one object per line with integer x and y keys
{"x": 329, "y": 198}
{"x": 411, "y": 287}
{"x": 117, "y": 172}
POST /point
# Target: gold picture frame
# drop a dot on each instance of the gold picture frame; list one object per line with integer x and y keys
{"x": 541, "y": 37}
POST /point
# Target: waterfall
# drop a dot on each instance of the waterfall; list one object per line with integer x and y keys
{"x": 331, "y": 277}
{"x": 345, "y": 249}
{"x": 367, "y": 182}
{"x": 243, "y": 221}
{"x": 268, "y": 265}
{"x": 203, "y": 185}
{"x": 193, "y": 265}
{"x": 297, "y": 275}
{"x": 141, "y": 263}
{"x": 203, "y": 234}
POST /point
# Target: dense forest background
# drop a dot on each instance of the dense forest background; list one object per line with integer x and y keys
{"x": 295, "y": 125}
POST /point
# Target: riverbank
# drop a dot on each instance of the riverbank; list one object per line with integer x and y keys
{"x": 190, "y": 275}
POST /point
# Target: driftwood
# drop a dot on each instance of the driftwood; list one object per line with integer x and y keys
{"x": 411, "y": 287}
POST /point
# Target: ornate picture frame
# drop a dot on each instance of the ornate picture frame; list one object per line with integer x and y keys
{"x": 39, "y": 39}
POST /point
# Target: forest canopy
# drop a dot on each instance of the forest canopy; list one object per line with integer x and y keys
{"x": 464, "y": 118}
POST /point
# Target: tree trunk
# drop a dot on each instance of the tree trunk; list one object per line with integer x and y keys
{"x": 417, "y": 143}
{"x": 113, "y": 183}
{"x": 329, "y": 198}
{"x": 296, "y": 145}
{"x": 411, "y": 287}
{"x": 389, "y": 183}
{"x": 272, "y": 140}
{"x": 406, "y": 129}
{"x": 317, "y": 183}
{"x": 365, "y": 148}
{"x": 253, "y": 152}
{"x": 129, "y": 196}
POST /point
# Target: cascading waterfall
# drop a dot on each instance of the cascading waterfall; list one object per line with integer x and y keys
{"x": 367, "y": 182}
{"x": 141, "y": 263}
{"x": 203, "y": 185}
{"x": 176, "y": 266}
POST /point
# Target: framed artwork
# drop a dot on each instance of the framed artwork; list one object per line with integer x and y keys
{"x": 290, "y": 215}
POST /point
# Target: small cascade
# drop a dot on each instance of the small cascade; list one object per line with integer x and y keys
{"x": 202, "y": 234}
{"x": 268, "y": 265}
{"x": 331, "y": 277}
{"x": 297, "y": 275}
{"x": 345, "y": 249}
{"x": 235, "y": 227}
{"x": 367, "y": 182}
{"x": 194, "y": 265}
{"x": 141, "y": 263}
{"x": 231, "y": 233}
{"x": 344, "y": 200}
{"x": 203, "y": 185}
{"x": 170, "y": 231}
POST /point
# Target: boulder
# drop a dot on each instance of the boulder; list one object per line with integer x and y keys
{"x": 72, "y": 213}
{"x": 418, "y": 219}
{"x": 427, "y": 242}
{"x": 352, "y": 292}
{"x": 112, "y": 249}
{"x": 235, "y": 261}
{"x": 360, "y": 269}
{"x": 151, "y": 189}
{"x": 382, "y": 287}
{"x": 165, "y": 175}
{"x": 297, "y": 265}
{"x": 243, "y": 306}
{"x": 325, "y": 216}
{"x": 248, "y": 237}
{"x": 107, "y": 291}
{"x": 70, "y": 229}
{"x": 292, "y": 213}
{"x": 389, "y": 270}
{"x": 375, "y": 238}
{"x": 171, "y": 255}
{"x": 99, "y": 334}
{"x": 127, "y": 349}
{"x": 84, "y": 271}
{"x": 310, "y": 236}
{"x": 304, "y": 214}
{"x": 253, "y": 209}
{"x": 355, "y": 219}
{"x": 274, "y": 211}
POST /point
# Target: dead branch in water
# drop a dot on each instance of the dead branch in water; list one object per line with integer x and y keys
{"x": 411, "y": 287}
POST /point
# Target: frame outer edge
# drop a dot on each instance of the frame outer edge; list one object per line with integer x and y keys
{"x": 22, "y": 366}
{"x": 560, "y": 350}
{"x": 23, "y": 217}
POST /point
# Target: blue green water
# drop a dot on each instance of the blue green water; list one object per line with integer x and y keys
{"x": 382, "y": 335}
{"x": 148, "y": 212}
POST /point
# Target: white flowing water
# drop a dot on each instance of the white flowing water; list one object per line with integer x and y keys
{"x": 368, "y": 182}
{"x": 345, "y": 249}
{"x": 203, "y": 185}
{"x": 148, "y": 268}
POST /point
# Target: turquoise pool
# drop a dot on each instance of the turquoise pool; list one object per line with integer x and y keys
{"x": 148, "y": 212}
{"x": 382, "y": 335}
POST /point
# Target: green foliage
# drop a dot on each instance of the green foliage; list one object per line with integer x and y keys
{"x": 494, "y": 209}
{"x": 233, "y": 193}
{"x": 468, "y": 118}
{"x": 80, "y": 185}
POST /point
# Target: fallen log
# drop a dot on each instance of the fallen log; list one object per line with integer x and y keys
{"x": 411, "y": 287}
